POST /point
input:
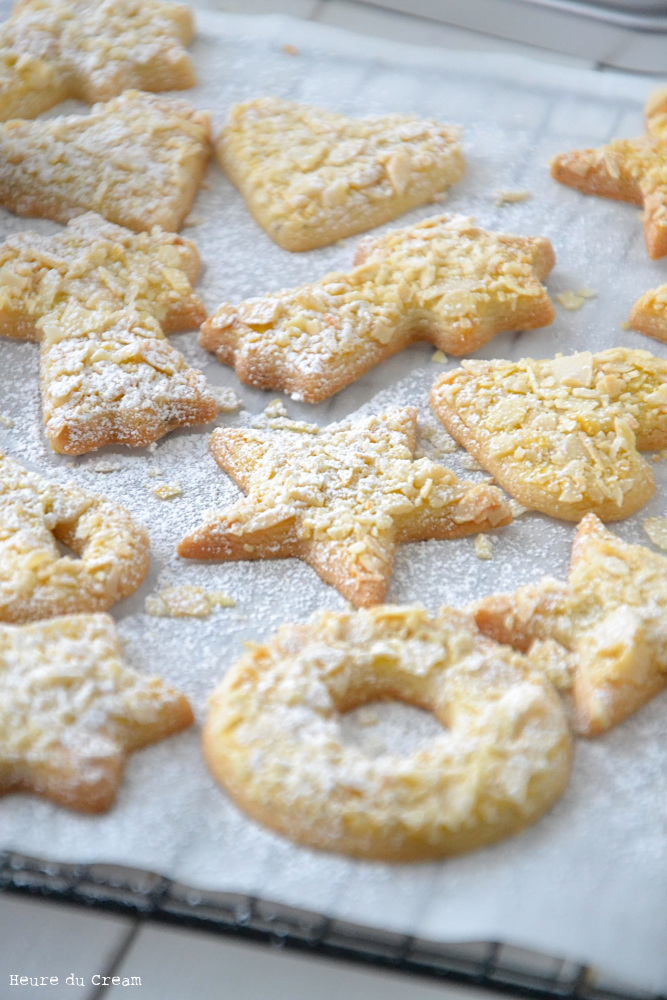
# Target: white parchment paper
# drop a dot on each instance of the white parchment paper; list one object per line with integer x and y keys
{"x": 589, "y": 882}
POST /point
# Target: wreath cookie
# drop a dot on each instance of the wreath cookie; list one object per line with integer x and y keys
{"x": 36, "y": 581}
{"x": 273, "y": 736}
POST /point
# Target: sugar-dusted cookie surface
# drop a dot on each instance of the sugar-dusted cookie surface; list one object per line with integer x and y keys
{"x": 137, "y": 160}
{"x": 71, "y": 712}
{"x": 649, "y": 314}
{"x": 609, "y": 617}
{"x": 443, "y": 280}
{"x": 562, "y": 436}
{"x": 100, "y": 299}
{"x": 340, "y": 498}
{"x": 633, "y": 170}
{"x": 54, "y": 49}
{"x": 311, "y": 177}
{"x": 110, "y": 550}
{"x": 274, "y": 740}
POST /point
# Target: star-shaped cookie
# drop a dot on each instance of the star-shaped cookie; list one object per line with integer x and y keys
{"x": 562, "y": 436}
{"x": 100, "y": 299}
{"x": 138, "y": 160}
{"x": 340, "y": 498}
{"x": 36, "y": 581}
{"x": 649, "y": 314}
{"x": 609, "y": 617}
{"x": 71, "y": 712}
{"x": 311, "y": 177}
{"x": 633, "y": 170}
{"x": 54, "y": 49}
{"x": 443, "y": 280}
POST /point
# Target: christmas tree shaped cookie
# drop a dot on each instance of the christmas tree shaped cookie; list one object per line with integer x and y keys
{"x": 100, "y": 299}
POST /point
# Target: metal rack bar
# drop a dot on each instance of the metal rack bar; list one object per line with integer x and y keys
{"x": 147, "y": 896}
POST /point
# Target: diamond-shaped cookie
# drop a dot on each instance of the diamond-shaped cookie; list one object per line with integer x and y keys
{"x": 54, "y": 49}
{"x": 609, "y": 618}
{"x": 340, "y": 498}
{"x": 443, "y": 280}
{"x": 71, "y": 712}
{"x": 562, "y": 436}
{"x": 311, "y": 177}
{"x": 100, "y": 299}
{"x": 137, "y": 160}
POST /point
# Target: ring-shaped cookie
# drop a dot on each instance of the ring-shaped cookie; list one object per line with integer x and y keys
{"x": 37, "y": 581}
{"x": 273, "y": 735}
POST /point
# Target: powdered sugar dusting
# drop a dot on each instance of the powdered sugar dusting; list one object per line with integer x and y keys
{"x": 606, "y": 840}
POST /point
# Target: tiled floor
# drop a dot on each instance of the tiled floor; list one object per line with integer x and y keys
{"x": 43, "y": 939}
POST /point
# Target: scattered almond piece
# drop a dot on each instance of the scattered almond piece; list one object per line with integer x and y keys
{"x": 511, "y": 197}
{"x": 106, "y": 467}
{"x": 154, "y": 472}
{"x": 291, "y": 50}
{"x": 656, "y": 529}
{"x": 587, "y": 293}
{"x": 483, "y": 547}
{"x": 167, "y": 491}
{"x": 186, "y": 601}
{"x": 6, "y": 421}
{"x": 439, "y": 357}
{"x": 570, "y": 300}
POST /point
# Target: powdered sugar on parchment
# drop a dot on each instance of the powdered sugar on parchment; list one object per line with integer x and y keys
{"x": 590, "y": 880}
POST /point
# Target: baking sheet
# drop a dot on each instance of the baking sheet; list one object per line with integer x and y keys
{"x": 589, "y": 882}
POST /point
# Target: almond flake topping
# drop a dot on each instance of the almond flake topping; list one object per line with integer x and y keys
{"x": 562, "y": 436}
{"x": 341, "y": 498}
{"x": 54, "y": 49}
{"x": 311, "y": 177}
{"x": 137, "y": 160}
{"x": 443, "y": 280}
{"x": 100, "y": 299}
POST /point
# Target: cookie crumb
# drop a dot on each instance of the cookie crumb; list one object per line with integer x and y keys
{"x": 154, "y": 472}
{"x": 570, "y": 300}
{"x": 6, "y": 421}
{"x": 105, "y": 468}
{"x": 656, "y": 529}
{"x": 227, "y": 399}
{"x": 186, "y": 601}
{"x": 167, "y": 491}
{"x": 625, "y": 325}
{"x": 483, "y": 547}
{"x": 290, "y": 50}
{"x": 440, "y": 358}
{"x": 511, "y": 197}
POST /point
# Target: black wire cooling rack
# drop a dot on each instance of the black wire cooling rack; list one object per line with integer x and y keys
{"x": 146, "y": 896}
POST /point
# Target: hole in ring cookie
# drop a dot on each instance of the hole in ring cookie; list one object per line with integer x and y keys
{"x": 275, "y": 735}
{"x": 382, "y": 727}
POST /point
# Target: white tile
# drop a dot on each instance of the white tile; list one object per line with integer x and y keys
{"x": 177, "y": 964}
{"x": 42, "y": 938}
{"x": 422, "y": 31}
